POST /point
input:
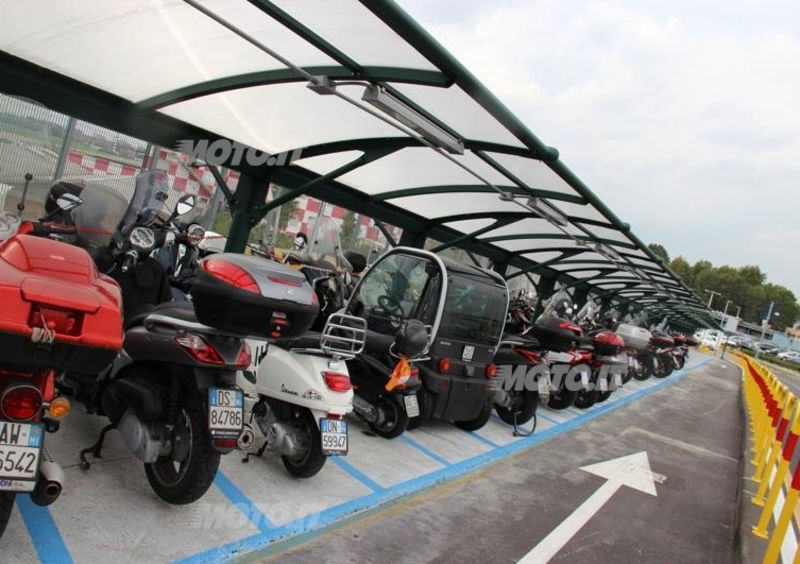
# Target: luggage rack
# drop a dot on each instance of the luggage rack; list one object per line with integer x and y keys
{"x": 343, "y": 335}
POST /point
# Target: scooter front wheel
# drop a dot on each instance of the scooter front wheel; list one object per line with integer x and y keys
{"x": 184, "y": 475}
{"x": 6, "y": 505}
{"x": 311, "y": 460}
{"x": 392, "y": 417}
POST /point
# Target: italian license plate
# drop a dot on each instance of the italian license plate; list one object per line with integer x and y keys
{"x": 334, "y": 436}
{"x": 225, "y": 412}
{"x": 412, "y": 405}
{"x": 20, "y": 450}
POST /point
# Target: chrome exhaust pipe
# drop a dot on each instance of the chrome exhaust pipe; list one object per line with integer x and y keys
{"x": 246, "y": 438}
{"x": 50, "y": 483}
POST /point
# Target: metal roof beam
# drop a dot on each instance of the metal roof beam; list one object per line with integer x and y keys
{"x": 287, "y": 75}
{"x": 471, "y": 188}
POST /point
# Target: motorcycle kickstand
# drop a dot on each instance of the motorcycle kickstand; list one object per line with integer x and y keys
{"x": 259, "y": 453}
{"x": 523, "y": 433}
{"x": 96, "y": 447}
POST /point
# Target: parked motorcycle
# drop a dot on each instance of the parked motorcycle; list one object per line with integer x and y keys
{"x": 172, "y": 393}
{"x": 637, "y": 339}
{"x": 606, "y": 357}
{"x": 59, "y": 313}
{"x": 302, "y": 391}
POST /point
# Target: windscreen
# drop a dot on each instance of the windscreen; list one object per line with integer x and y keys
{"x": 588, "y": 312}
{"x": 474, "y": 311}
{"x": 324, "y": 248}
{"x": 559, "y": 305}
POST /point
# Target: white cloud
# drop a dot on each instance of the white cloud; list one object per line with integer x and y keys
{"x": 683, "y": 116}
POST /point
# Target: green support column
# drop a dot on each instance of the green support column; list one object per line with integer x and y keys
{"x": 247, "y": 211}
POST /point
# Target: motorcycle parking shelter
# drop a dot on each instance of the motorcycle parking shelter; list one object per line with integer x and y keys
{"x": 388, "y": 124}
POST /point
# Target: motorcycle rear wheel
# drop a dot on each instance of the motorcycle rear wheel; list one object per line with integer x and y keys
{"x": 195, "y": 473}
{"x": 561, "y": 399}
{"x": 6, "y": 505}
{"x": 312, "y": 460}
{"x": 396, "y": 418}
{"x": 586, "y": 399}
{"x": 524, "y": 405}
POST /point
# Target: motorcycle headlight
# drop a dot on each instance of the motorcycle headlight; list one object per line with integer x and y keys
{"x": 142, "y": 239}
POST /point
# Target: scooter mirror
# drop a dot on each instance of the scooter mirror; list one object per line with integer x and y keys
{"x": 196, "y": 232}
{"x": 68, "y": 201}
{"x": 185, "y": 205}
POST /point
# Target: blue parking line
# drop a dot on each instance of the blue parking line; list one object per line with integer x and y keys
{"x": 424, "y": 450}
{"x": 483, "y": 439}
{"x": 356, "y": 473}
{"x": 573, "y": 411}
{"x": 547, "y": 418}
{"x": 310, "y": 524}
{"x": 243, "y": 503}
{"x": 45, "y": 536}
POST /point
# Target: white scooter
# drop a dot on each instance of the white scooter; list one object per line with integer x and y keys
{"x": 299, "y": 395}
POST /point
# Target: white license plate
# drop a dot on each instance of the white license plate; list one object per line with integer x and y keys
{"x": 225, "y": 412}
{"x": 412, "y": 405}
{"x": 334, "y": 436}
{"x": 20, "y": 450}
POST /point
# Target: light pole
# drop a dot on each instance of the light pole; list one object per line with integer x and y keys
{"x": 726, "y": 307}
{"x": 710, "y": 299}
{"x": 738, "y": 311}
{"x": 764, "y": 323}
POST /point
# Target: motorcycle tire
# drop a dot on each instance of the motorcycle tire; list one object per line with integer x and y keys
{"x": 586, "y": 398}
{"x": 196, "y": 472}
{"x": 425, "y": 400}
{"x": 478, "y": 422}
{"x": 561, "y": 399}
{"x": 397, "y": 421}
{"x": 664, "y": 368}
{"x": 646, "y": 371}
{"x": 524, "y": 405}
{"x": 603, "y": 396}
{"x": 6, "y": 505}
{"x": 628, "y": 376}
{"x": 681, "y": 362}
{"x": 312, "y": 460}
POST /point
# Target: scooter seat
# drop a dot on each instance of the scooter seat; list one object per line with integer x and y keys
{"x": 183, "y": 310}
{"x": 309, "y": 340}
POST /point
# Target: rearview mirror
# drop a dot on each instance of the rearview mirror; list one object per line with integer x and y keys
{"x": 185, "y": 205}
{"x": 67, "y": 201}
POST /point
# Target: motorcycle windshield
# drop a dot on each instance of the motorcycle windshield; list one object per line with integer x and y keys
{"x": 588, "y": 312}
{"x": 559, "y": 305}
{"x": 114, "y": 204}
{"x": 324, "y": 250}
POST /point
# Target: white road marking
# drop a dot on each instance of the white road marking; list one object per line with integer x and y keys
{"x": 632, "y": 471}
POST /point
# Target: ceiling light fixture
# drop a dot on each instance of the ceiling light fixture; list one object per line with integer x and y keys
{"x": 384, "y": 101}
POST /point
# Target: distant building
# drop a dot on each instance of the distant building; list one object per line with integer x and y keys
{"x": 793, "y": 332}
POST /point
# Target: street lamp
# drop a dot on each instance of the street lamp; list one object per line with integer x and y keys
{"x": 710, "y": 299}
{"x": 726, "y": 307}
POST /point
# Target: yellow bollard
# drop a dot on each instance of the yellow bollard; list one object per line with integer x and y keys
{"x": 775, "y": 450}
{"x": 786, "y": 452}
{"x": 763, "y": 448}
{"x": 761, "y": 417}
{"x": 779, "y": 534}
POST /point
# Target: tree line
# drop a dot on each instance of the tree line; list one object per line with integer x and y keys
{"x": 744, "y": 286}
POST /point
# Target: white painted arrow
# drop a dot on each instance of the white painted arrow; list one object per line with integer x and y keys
{"x": 632, "y": 471}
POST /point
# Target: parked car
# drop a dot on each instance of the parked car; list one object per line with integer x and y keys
{"x": 767, "y": 348}
{"x": 791, "y": 356}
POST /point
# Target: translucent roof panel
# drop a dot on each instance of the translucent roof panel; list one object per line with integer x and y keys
{"x": 514, "y": 245}
{"x": 470, "y": 225}
{"x": 323, "y": 164}
{"x": 534, "y": 173}
{"x": 443, "y": 205}
{"x": 355, "y": 31}
{"x": 420, "y": 166}
{"x": 531, "y": 226}
{"x": 183, "y": 46}
{"x": 543, "y": 256}
{"x": 606, "y": 233}
{"x": 461, "y": 113}
{"x": 279, "y": 117}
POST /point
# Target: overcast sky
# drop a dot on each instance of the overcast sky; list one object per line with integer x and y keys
{"x": 684, "y": 117}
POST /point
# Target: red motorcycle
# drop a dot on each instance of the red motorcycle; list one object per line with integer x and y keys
{"x": 59, "y": 314}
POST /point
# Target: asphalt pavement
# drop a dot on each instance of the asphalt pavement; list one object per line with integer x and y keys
{"x": 691, "y": 432}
